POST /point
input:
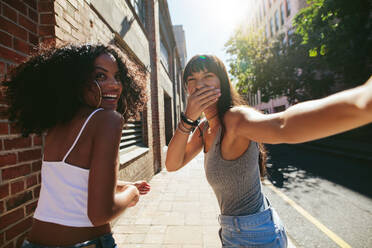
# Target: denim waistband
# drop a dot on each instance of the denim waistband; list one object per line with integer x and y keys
{"x": 104, "y": 241}
{"x": 247, "y": 220}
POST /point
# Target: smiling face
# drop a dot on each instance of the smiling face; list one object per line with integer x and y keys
{"x": 204, "y": 78}
{"x": 106, "y": 74}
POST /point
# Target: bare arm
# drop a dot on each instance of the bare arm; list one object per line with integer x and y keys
{"x": 308, "y": 120}
{"x": 104, "y": 203}
{"x": 182, "y": 149}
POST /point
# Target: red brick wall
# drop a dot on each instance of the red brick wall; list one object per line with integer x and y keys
{"x": 20, "y": 158}
{"x": 23, "y": 24}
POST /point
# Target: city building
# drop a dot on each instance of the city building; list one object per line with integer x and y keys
{"x": 142, "y": 29}
{"x": 179, "y": 34}
{"x": 273, "y": 17}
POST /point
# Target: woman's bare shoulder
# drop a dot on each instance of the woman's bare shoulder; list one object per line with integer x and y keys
{"x": 236, "y": 113}
{"x": 107, "y": 121}
{"x": 108, "y": 118}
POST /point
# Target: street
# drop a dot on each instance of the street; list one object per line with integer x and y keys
{"x": 335, "y": 194}
{"x": 324, "y": 201}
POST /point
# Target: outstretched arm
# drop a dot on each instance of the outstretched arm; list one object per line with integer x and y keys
{"x": 308, "y": 120}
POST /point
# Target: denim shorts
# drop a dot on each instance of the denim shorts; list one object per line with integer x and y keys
{"x": 263, "y": 229}
{"x": 104, "y": 241}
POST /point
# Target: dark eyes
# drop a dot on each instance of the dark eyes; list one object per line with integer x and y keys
{"x": 101, "y": 76}
{"x": 193, "y": 79}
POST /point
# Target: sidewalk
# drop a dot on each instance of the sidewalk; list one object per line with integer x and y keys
{"x": 180, "y": 212}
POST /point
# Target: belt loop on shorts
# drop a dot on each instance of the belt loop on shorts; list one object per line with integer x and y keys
{"x": 101, "y": 242}
{"x": 236, "y": 224}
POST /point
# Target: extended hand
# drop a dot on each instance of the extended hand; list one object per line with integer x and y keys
{"x": 142, "y": 186}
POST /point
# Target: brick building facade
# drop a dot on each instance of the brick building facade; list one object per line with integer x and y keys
{"x": 144, "y": 32}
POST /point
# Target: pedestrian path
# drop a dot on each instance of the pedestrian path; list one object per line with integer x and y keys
{"x": 180, "y": 211}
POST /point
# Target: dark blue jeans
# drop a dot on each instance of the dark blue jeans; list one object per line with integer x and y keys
{"x": 104, "y": 241}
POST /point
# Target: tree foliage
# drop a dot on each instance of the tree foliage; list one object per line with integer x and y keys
{"x": 340, "y": 32}
{"x": 329, "y": 50}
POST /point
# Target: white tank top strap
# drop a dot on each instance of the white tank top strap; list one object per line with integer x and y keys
{"x": 81, "y": 131}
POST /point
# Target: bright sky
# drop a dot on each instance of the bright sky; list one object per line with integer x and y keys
{"x": 208, "y": 24}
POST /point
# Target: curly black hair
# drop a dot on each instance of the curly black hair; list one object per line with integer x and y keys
{"x": 47, "y": 89}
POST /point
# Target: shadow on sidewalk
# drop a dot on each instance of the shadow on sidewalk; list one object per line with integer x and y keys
{"x": 290, "y": 164}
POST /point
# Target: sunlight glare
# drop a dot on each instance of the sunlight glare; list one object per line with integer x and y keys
{"x": 228, "y": 15}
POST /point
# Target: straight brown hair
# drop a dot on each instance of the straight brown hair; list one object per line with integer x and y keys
{"x": 229, "y": 97}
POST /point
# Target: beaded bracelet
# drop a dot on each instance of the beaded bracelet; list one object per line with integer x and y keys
{"x": 183, "y": 131}
{"x": 185, "y": 128}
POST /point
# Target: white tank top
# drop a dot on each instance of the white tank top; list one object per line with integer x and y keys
{"x": 64, "y": 191}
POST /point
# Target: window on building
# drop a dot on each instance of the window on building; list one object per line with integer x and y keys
{"x": 139, "y": 7}
{"x": 279, "y": 108}
{"x": 288, "y": 7}
{"x": 164, "y": 56}
{"x": 276, "y": 20}
{"x": 131, "y": 136}
{"x": 260, "y": 14}
{"x": 266, "y": 32}
{"x": 282, "y": 14}
{"x": 272, "y": 32}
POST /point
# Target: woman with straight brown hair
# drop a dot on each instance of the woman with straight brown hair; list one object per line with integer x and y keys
{"x": 230, "y": 137}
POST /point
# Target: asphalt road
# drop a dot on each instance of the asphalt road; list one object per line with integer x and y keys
{"x": 329, "y": 200}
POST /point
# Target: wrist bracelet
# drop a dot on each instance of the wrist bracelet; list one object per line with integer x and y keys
{"x": 188, "y": 121}
{"x": 188, "y": 129}
{"x": 183, "y": 131}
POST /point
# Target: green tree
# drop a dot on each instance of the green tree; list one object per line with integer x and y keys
{"x": 274, "y": 67}
{"x": 330, "y": 50}
{"x": 338, "y": 32}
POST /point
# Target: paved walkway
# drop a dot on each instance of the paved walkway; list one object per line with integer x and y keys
{"x": 180, "y": 211}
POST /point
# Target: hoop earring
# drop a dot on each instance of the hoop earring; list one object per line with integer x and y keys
{"x": 100, "y": 93}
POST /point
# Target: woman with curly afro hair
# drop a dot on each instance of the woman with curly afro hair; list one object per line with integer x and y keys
{"x": 79, "y": 96}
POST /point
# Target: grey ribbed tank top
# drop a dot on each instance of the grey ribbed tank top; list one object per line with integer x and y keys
{"x": 236, "y": 183}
